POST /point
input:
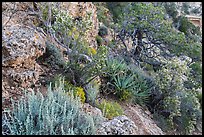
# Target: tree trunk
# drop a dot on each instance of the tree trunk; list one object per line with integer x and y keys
{"x": 138, "y": 48}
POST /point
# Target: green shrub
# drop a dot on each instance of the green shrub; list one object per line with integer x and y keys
{"x": 69, "y": 30}
{"x": 103, "y": 13}
{"x": 126, "y": 82}
{"x": 103, "y": 31}
{"x": 69, "y": 88}
{"x": 83, "y": 72}
{"x": 53, "y": 56}
{"x": 79, "y": 92}
{"x": 125, "y": 95}
{"x": 115, "y": 66}
{"x": 190, "y": 113}
{"x": 93, "y": 91}
{"x": 116, "y": 9}
{"x": 181, "y": 107}
{"x": 99, "y": 40}
{"x": 162, "y": 122}
{"x": 55, "y": 114}
{"x": 124, "y": 85}
{"x": 110, "y": 109}
{"x": 199, "y": 96}
{"x": 195, "y": 76}
{"x": 171, "y": 9}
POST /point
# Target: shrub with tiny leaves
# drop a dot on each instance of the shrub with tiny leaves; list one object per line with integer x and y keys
{"x": 54, "y": 114}
{"x": 181, "y": 105}
{"x": 110, "y": 109}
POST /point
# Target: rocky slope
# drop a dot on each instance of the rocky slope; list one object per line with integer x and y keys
{"x": 22, "y": 45}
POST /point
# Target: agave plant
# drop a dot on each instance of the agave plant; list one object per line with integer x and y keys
{"x": 134, "y": 85}
{"x": 124, "y": 82}
{"x": 114, "y": 66}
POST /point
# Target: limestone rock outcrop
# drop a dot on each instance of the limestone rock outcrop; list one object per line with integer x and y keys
{"x": 21, "y": 46}
{"x": 120, "y": 125}
{"x": 91, "y": 110}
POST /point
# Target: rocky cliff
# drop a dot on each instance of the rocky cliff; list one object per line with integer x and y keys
{"x": 21, "y": 46}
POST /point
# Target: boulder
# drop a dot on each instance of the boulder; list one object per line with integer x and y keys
{"x": 87, "y": 108}
{"x": 120, "y": 125}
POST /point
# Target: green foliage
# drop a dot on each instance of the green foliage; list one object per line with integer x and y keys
{"x": 180, "y": 104}
{"x": 100, "y": 58}
{"x": 125, "y": 95}
{"x": 80, "y": 93}
{"x": 116, "y": 9}
{"x": 142, "y": 11}
{"x": 162, "y": 122}
{"x": 53, "y": 56}
{"x": 185, "y": 8}
{"x": 92, "y": 51}
{"x": 110, "y": 109}
{"x": 55, "y": 114}
{"x": 103, "y": 31}
{"x": 171, "y": 9}
{"x": 191, "y": 115}
{"x": 65, "y": 25}
{"x": 93, "y": 91}
{"x": 145, "y": 85}
{"x": 115, "y": 66}
{"x": 69, "y": 88}
{"x": 90, "y": 70}
{"x": 150, "y": 23}
{"x": 83, "y": 68}
{"x": 195, "y": 76}
{"x": 125, "y": 82}
{"x": 199, "y": 97}
{"x": 103, "y": 13}
{"x": 99, "y": 40}
{"x": 184, "y": 24}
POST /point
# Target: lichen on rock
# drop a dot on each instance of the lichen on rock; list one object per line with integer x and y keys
{"x": 21, "y": 46}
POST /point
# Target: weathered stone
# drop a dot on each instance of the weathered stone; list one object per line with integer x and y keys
{"x": 120, "y": 125}
{"x": 21, "y": 46}
{"x": 19, "y": 52}
{"x": 91, "y": 110}
{"x": 17, "y": 13}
